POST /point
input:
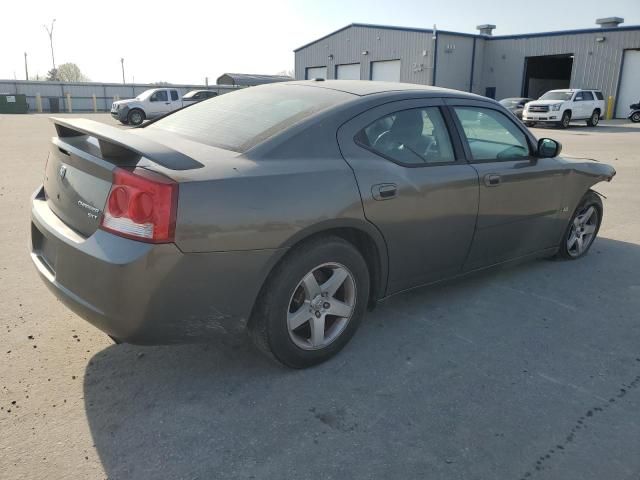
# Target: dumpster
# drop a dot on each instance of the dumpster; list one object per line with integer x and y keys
{"x": 13, "y": 103}
{"x": 54, "y": 104}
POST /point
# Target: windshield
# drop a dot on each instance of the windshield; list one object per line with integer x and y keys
{"x": 144, "y": 95}
{"x": 564, "y": 96}
{"x": 240, "y": 120}
{"x": 511, "y": 102}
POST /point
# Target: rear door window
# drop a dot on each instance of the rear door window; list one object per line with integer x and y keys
{"x": 174, "y": 95}
{"x": 587, "y": 96}
{"x": 409, "y": 137}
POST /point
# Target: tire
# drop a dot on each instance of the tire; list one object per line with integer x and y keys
{"x": 593, "y": 120}
{"x": 135, "y": 117}
{"x": 572, "y": 248}
{"x": 565, "y": 120}
{"x": 282, "y": 322}
{"x": 529, "y": 124}
{"x": 635, "y": 117}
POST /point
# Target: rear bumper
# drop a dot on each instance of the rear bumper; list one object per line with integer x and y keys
{"x": 144, "y": 293}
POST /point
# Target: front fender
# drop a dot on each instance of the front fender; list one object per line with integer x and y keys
{"x": 597, "y": 171}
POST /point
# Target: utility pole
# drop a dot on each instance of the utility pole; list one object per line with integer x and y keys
{"x": 122, "y": 63}
{"x": 50, "y": 32}
{"x": 26, "y": 70}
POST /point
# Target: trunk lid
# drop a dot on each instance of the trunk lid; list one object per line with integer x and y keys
{"x": 79, "y": 170}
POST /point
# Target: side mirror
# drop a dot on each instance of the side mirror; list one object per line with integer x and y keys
{"x": 548, "y": 148}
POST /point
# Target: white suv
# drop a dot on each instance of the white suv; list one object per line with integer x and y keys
{"x": 562, "y": 106}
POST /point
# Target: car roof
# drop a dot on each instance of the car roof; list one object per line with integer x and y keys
{"x": 370, "y": 87}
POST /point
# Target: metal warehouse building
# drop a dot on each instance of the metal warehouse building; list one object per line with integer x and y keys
{"x": 607, "y": 58}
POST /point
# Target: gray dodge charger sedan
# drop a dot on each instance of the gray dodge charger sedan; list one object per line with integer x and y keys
{"x": 286, "y": 210}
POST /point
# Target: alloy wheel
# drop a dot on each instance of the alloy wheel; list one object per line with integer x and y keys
{"x": 321, "y": 306}
{"x": 136, "y": 118}
{"x": 583, "y": 231}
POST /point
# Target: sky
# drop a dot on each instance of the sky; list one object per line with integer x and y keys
{"x": 184, "y": 43}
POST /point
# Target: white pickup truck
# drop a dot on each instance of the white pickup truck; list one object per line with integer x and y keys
{"x": 562, "y": 106}
{"x": 148, "y": 105}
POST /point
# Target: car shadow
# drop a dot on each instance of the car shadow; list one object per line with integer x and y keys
{"x": 440, "y": 382}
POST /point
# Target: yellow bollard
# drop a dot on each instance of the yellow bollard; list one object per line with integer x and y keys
{"x": 95, "y": 103}
{"x": 38, "y": 103}
{"x": 69, "y": 108}
{"x": 609, "y": 108}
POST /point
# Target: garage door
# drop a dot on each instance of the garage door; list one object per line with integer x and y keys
{"x": 316, "y": 72}
{"x": 386, "y": 71}
{"x": 628, "y": 92}
{"x": 348, "y": 72}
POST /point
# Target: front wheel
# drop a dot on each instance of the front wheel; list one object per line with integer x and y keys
{"x": 135, "y": 117}
{"x": 529, "y": 124}
{"x": 565, "y": 120}
{"x": 312, "y": 303}
{"x": 593, "y": 120}
{"x": 583, "y": 227}
{"x": 635, "y": 117}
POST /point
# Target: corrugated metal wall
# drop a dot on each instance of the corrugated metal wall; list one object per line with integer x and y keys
{"x": 454, "y": 61}
{"x": 595, "y": 64}
{"x": 414, "y": 49}
{"x": 81, "y": 93}
{"x": 499, "y": 62}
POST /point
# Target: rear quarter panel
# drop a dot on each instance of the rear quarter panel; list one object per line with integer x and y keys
{"x": 268, "y": 206}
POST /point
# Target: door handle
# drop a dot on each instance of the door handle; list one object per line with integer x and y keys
{"x": 492, "y": 180}
{"x": 166, "y": 103}
{"x": 384, "y": 191}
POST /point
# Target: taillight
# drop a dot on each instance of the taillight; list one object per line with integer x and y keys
{"x": 141, "y": 205}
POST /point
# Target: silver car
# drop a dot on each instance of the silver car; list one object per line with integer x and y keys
{"x": 286, "y": 210}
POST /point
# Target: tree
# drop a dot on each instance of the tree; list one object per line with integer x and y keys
{"x": 52, "y": 75}
{"x": 70, "y": 72}
{"x": 287, "y": 73}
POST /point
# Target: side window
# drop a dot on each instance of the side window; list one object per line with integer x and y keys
{"x": 160, "y": 96}
{"x": 410, "y": 137}
{"x": 587, "y": 96}
{"x": 579, "y": 97}
{"x": 174, "y": 95}
{"x": 599, "y": 95}
{"x": 198, "y": 96}
{"x": 211, "y": 94}
{"x": 491, "y": 135}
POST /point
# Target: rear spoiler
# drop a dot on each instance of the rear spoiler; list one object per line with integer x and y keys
{"x": 119, "y": 144}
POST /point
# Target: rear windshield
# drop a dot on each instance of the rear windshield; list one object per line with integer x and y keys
{"x": 240, "y": 120}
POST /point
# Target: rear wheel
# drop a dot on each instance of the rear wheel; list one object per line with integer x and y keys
{"x": 583, "y": 227}
{"x": 312, "y": 304}
{"x": 135, "y": 117}
{"x": 565, "y": 120}
{"x": 593, "y": 120}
